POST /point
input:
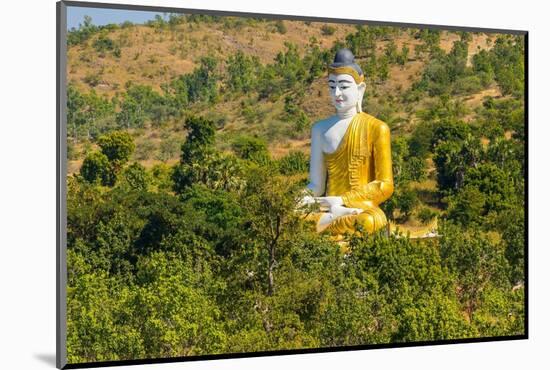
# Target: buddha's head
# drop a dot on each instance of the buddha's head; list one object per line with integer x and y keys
{"x": 346, "y": 82}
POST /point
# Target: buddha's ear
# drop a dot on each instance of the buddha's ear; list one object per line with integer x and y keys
{"x": 362, "y": 87}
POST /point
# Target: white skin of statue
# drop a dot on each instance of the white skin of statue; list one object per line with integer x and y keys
{"x": 326, "y": 135}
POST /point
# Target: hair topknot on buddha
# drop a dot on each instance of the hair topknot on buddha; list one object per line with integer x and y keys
{"x": 344, "y": 63}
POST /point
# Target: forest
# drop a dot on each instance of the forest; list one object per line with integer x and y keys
{"x": 182, "y": 232}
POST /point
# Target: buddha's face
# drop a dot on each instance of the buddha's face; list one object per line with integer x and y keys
{"x": 345, "y": 93}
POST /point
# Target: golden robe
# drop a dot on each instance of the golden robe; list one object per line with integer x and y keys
{"x": 360, "y": 171}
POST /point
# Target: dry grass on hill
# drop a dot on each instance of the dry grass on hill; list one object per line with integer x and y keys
{"x": 153, "y": 57}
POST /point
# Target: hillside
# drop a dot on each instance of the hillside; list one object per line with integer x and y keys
{"x": 153, "y": 55}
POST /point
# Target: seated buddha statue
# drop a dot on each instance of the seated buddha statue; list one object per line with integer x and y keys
{"x": 350, "y": 171}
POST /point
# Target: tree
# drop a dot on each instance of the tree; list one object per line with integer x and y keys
{"x": 416, "y": 169}
{"x": 97, "y": 311}
{"x": 199, "y": 86}
{"x": 290, "y": 66}
{"x": 391, "y": 52}
{"x": 136, "y": 177}
{"x": 75, "y": 108}
{"x": 131, "y": 113}
{"x": 430, "y": 37}
{"x": 202, "y": 83}
{"x": 494, "y": 184}
{"x": 457, "y": 59}
{"x": 201, "y": 163}
{"x": 162, "y": 177}
{"x": 83, "y": 33}
{"x": 452, "y": 159}
{"x": 511, "y": 223}
{"x": 383, "y": 68}
{"x": 500, "y": 311}
{"x": 214, "y": 170}
{"x": 362, "y": 43}
{"x": 407, "y": 200}
{"x": 118, "y": 146}
{"x": 315, "y": 60}
{"x": 467, "y": 206}
{"x": 104, "y": 166}
{"x": 270, "y": 84}
{"x": 408, "y": 287}
{"x": 270, "y": 200}
{"x": 103, "y": 44}
{"x": 251, "y": 148}
{"x": 220, "y": 216}
{"x": 242, "y": 72}
{"x": 400, "y": 154}
{"x": 141, "y": 104}
{"x": 88, "y": 114}
{"x": 475, "y": 261}
{"x": 200, "y": 139}
{"x": 404, "y": 56}
{"x": 507, "y": 60}
{"x": 505, "y": 154}
{"x": 97, "y": 168}
{"x": 174, "y": 310}
{"x": 443, "y": 70}
{"x": 483, "y": 67}
{"x": 420, "y": 143}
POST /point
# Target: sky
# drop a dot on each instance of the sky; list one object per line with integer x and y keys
{"x": 100, "y": 17}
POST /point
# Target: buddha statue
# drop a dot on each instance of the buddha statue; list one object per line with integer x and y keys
{"x": 350, "y": 171}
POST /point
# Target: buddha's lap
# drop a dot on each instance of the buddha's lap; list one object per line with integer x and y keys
{"x": 370, "y": 220}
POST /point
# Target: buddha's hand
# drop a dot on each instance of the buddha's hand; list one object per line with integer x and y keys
{"x": 338, "y": 211}
{"x": 306, "y": 200}
{"x": 336, "y": 206}
{"x": 330, "y": 201}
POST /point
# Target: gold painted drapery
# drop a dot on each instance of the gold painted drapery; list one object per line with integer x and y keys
{"x": 360, "y": 171}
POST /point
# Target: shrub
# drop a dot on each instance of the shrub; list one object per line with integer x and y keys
{"x": 251, "y": 148}
{"x": 72, "y": 152}
{"x": 425, "y": 215}
{"x": 280, "y": 27}
{"x": 327, "y": 30}
{"x": 103, "y": 44}
{"x": 92, "y": 79}
{"x": 169, "y": 148}
{"x": 293, "y": 163}
{"x": 145, "y": 150}
{"x": 467, "y": 85}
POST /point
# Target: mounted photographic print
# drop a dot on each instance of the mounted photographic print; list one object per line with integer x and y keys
{"x": 234, "y": 184}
